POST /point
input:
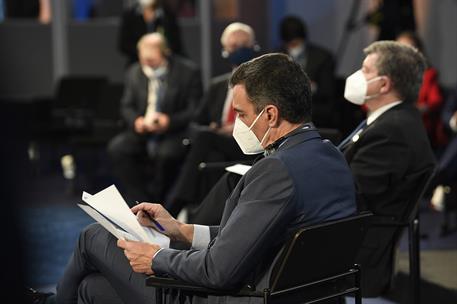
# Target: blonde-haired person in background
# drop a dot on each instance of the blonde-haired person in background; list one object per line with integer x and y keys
{"x": 160, "y": 95}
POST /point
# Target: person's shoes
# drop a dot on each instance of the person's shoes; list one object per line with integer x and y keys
{"x": 33, "y": 296}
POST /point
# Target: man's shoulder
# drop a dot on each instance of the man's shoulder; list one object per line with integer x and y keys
{"x": 134, "y": 71}
{"x": 319, "y": 52}
{"x": 183, "y": 64}
{"x": 400, "y": 117}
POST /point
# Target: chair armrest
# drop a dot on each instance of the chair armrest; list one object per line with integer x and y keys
{"x": 171, "y": 283}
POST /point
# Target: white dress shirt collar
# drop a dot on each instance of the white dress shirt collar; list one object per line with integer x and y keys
{"x": 376, "y": 113}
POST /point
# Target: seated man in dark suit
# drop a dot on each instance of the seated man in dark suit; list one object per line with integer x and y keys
{"x": 386, "y": 149}
{"x": 318, "y": 63}
{"x": 211, "y": 136}
{"x": 161, "y": 93}
{"x": 302, "y": 180}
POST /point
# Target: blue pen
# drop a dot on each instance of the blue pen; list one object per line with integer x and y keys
{"x": 153, "y": 220}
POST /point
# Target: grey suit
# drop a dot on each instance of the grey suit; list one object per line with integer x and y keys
{"x": 305, "y": 181}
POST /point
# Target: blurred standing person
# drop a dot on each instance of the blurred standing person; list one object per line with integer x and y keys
{"x": 392, "y": 17}
{"x": 148, "y": 16}
{"x": 161, "y": 93}
{"x": 317, "y": 62}
{"x": 430, "y": 99}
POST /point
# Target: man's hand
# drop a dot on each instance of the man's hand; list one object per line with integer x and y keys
{"x": 158, "y": 123}
{"x": 139, "y": 125}
{"x": 139, "y": 254}
{"x": 173, "y": 229}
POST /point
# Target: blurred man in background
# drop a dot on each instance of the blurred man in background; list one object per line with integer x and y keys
{"x": 212, "y": 133}
{"x": 317, "y": 62}
{"x": 161, "y": 93}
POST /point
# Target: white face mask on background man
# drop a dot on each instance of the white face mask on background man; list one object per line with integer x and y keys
{"x": 246, "y": 139}
{"x": 356, "y": 88}
{"x": 296, "y": 51}
{"x": 151, "y": 72}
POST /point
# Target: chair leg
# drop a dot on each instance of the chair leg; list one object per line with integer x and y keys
{"x": 159, "y": 298}
{"x": 266, "y": 294}
{"x": 414, "y": 260}
{"x": 358, "y": 283}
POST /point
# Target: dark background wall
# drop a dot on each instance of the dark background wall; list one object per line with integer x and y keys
{"x": 26, "y": 56}
{"x": 25, "y": 59}
{"x": 26, "y": 62}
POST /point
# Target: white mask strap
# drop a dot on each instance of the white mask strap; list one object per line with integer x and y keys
{"x": 255, "y": 120}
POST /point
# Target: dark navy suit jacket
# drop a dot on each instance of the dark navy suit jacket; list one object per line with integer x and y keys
{"x": 305, "y": 181}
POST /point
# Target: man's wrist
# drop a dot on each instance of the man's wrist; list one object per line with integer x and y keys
{"x": 155, "y": 254}
{"x": 186, "y": 233}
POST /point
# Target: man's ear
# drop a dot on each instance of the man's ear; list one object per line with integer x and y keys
{"x": 386, "y": 86}
{"x": 272, "y": 113}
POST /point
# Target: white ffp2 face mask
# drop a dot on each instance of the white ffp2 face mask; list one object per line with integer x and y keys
{"x": 246, "y": 139}
{"x": 355, "y": 89}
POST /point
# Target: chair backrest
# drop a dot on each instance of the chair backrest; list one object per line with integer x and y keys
{"x": 334, "y": 135}
{"x": 108, "y": 106}
{"x": 420, "y": 182}
{"x": 79, "y": 91}
{"x": 318, "y": 252}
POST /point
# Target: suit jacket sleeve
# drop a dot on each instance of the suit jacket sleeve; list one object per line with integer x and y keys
{"x": 129, "y": 101}
{"x": 180, "y": 120}
{"x": 257, "y": 222}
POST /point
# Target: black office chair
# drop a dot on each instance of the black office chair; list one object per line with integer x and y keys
{"x": 409, "y": 219}
{"x": 75, "y": 103}
{"x": 106, "y": 119}
{"x": 315, "y": 265}
{"x": 334, "y": 135}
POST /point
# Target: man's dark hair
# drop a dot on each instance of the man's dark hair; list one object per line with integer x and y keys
{"x": 292, "y": 27}
{"x": 276, "y": 79}
{"x": 403, "y": 64}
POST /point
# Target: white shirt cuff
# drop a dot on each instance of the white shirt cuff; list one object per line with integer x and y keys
{"x": 201, "y": 237}
{"x": 453, "y": 124}
{"x": 154, "y": 256}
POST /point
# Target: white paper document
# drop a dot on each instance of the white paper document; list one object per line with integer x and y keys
{"x": 238, "y": 169}
{"x": 109, "y": 207}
